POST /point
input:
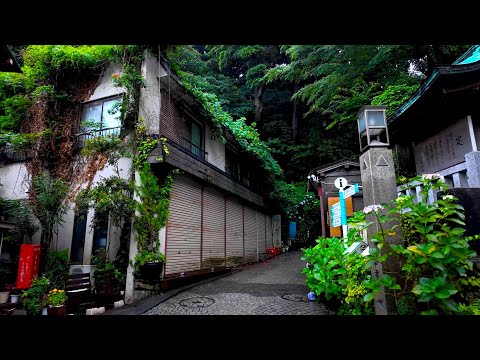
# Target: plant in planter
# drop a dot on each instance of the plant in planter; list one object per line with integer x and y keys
{"x": 56, "y": 299}
{"x": 108, "y": 279}
{"x": 149, "y": 265}
{"x": 34, "y": 298}
{"x": 150, "y": 216}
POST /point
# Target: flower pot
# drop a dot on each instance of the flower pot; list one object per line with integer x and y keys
{"x": 14, "y": 298}
{"x": 151, "y": 271}
{"x": 57, "y": 310}
{"x": 4, "y": 295}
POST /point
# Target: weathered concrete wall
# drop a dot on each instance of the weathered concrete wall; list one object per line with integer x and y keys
{"x": 106, "y": 87}
{"x": 149, "y": 109}
{"x": 15, "y": 181}
{"x": 215, "y": 149}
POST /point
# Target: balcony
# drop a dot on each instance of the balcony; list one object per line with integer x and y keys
{"x": 194, "y": 149}
{"x": 90, "y": 134}
{"x": 10, "y": 154}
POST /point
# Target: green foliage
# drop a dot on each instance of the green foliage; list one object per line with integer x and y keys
{"x": 145, "y": 256}
{"x": 144, "y": 149}
{"x": 21, "y": 213}
{"x": 34, "y": 298}
{"x": 435, "y": 255}
{"x": 394, "y": 96}
{"x": 49, "y": 205}
{"x": 102, "y": 265}
{"x": 56, "y": 297}
{"x": 110, "y": 198}
{"x": 40, "y": 61}
{"x": 57, "y": 268}
{"x": 152, "y": 208}
{"x": 111, "y": 146}
{"x": 336, "y": 277}
{"x": 246, "y": 135}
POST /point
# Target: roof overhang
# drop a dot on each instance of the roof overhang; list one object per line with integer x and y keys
{"x": 7, "y": 60}
{"x": 447, "y": 93}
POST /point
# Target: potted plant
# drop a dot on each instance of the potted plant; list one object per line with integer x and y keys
{"x": 108, "y": 278}
{"x": 150, "y": 217}
{"x": 56, "y": 299}
{"x": 149, "y": 264}
{"x": 33, "y": 299}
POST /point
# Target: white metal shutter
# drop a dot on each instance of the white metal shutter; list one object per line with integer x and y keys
{"x": 234, "y": 250}
{"x": 183, "y": 238}
{"x": 261, "y": 235}
{"x": 269, "y": 231}
{"x": 213, "y": 243}
{"x": 250, "y": 239}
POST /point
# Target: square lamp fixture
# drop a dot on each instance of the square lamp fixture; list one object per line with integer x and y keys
{"x": 372, "y": 127}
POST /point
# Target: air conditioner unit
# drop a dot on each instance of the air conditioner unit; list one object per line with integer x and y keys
{"x": 83, "y": 269}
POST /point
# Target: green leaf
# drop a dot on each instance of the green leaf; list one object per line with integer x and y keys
{"x": 457, "y": 221}
{"x": 368, "y": 297}
{"x": 442, "y": 294}
{"x": 429, "y": 312}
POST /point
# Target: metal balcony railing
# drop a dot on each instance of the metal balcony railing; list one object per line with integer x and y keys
{"x": 88, "y": 135}
{"x": 194, "y": 149}
{"x": 11, "y": 154}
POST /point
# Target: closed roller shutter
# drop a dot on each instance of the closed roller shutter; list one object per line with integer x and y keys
{"x": 183, "y": 239}
{"x": 261, "y": 235}
{"x": 213, "y": 243}
{"x": 250, "y": 234}
{"x": 269, "y": 233}
{"x": 234, "y": 241}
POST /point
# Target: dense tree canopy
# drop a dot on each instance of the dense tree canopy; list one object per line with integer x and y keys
{"x": 303, "y": 99}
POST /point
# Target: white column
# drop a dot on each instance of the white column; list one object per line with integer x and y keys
{"x": 130, "y": 282}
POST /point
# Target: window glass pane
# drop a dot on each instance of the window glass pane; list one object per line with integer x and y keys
{"x": 362, "y": 123}
{"x": 196, "y": 139}
{"x": 100, "y": 237}
{"x": 91, "y": 113}
{"x": 111, "y": 114}
{"x": 375, "y": 118}
{"x": 78, "y": 238}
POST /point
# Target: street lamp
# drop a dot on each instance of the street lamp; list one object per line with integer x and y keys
{"x": 372, "y": 127}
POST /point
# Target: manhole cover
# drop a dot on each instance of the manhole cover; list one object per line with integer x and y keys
{"x": 294, "y": 297}
{"x": 197, "y": 302}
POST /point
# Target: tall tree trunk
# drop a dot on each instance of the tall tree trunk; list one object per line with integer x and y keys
{"x": 294, "y": 116}
{"x": 258, "y": 103}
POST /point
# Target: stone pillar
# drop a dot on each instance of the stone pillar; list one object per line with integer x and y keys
{"x": 473, "y": 168}
{"x": 130, "y": 281}
{"x": 379, "y": 186}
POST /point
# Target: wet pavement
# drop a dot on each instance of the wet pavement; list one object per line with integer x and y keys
{"x": 274, "y": 287}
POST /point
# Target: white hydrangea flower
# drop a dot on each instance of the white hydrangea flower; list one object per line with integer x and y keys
{"x": 370, "y": 208}
{"x": 447, "y": 197}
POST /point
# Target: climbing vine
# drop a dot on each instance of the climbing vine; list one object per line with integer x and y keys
{"x": 246, "y": 135}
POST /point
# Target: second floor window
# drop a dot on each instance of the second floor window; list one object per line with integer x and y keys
{"x": 231, "y": 164}
{"x": 101, "y": 117}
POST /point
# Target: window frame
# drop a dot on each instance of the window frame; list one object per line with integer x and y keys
{"x": 101, "y": 101}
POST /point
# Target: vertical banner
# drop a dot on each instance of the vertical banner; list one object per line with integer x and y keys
{"x": 28, "y": 264}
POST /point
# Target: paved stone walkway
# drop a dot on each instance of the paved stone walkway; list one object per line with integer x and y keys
{"x": 274, "y": 287}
